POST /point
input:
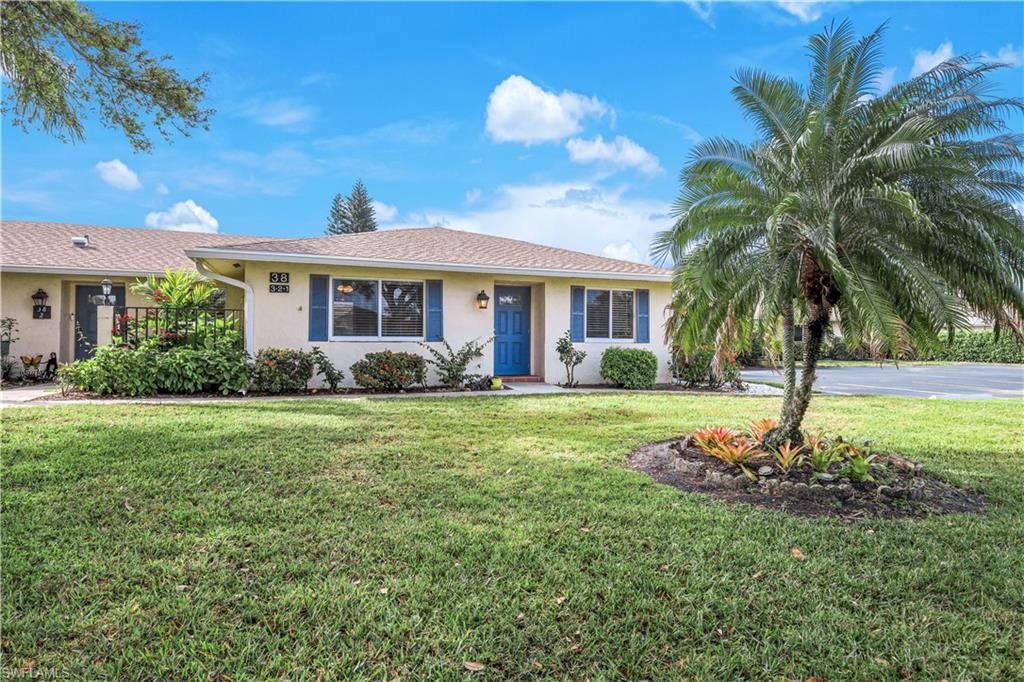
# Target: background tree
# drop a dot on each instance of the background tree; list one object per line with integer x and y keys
{"x": 337, "y": 219}
{"x": 355, "y": 214}
{"x": 888, "y": 214}
{"x": 60, "y": 61}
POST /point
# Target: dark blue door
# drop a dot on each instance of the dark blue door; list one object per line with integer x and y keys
{"x": 86, "y": 300}
{"x": 512, "y": 331}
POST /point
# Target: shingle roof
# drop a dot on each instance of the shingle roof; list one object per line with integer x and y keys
{"x": 443, "y": 246}
{"x": 124, "y": 250}
{"x": 47, "y": 246}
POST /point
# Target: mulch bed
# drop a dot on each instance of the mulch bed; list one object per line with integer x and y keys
{"x": 901, "y": 489}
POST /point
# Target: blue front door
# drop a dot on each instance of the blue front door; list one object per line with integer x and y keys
{"x": 512, "y": 331}
{"x": 86, "y": 300}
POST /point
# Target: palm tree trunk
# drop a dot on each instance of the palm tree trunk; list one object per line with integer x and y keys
{"x": 793, "y": 411}
{"x": 788, "y": 353}
{"x": 778, "y": 435}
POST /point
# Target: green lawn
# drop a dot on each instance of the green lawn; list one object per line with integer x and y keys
{"x": 403, "y": 538}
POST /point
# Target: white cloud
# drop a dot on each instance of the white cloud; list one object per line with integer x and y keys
{"x": 184, "y": 216}
{"x": 702, "y": 8}
{"x": 281, "y": 113}
{"x": 405, "y": 132}
{"x": 386, "y": 212}
{"x": 885, "y": 80}
{"x": 1007, "y": 54}
{"x": 623, "y": 251}
{"x": 473, "y": 196}
{"x": 926, "y": 61}
{"x": 804, "y": 10}
{"x": 583, "y": 216}
{"x": 621, "y": 152}
{"x": 162, "y": 189}
{"x": 519, "y": 111}
{"x": 118, "y": 175}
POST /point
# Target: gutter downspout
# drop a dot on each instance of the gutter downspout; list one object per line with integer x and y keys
{"x": 250, "y": 300}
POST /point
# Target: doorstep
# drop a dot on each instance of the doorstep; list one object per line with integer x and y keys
{"x": 522, "y": 379}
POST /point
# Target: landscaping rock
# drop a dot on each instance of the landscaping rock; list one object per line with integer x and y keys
{"x": 903, "y": 488}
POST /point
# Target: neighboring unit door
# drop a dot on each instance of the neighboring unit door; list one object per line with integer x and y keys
{"x": 86, "y": 299}
{"x": 512, "y": 331}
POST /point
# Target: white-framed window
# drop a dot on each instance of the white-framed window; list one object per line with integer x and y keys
{"x": 609, "y": 314}
{"x": 375, "y": 309}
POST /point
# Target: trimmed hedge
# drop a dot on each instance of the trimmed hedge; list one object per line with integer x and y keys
{"x": 967, "y": 346}
{"x": 629, "y": 367}
{"x": 388, "y": 371}
{"x": 981, "y": 346}
{"x": 282, "y": 370}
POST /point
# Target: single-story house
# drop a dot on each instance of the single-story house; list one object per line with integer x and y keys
{"x": 354, "y": 294}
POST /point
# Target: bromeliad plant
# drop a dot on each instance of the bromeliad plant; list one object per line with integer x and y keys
{"x": 817, "y": 453}
{"x": 788, "y": 456}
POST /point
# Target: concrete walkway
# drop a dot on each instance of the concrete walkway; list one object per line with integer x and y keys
{"x": 17, "y": 395}
{"x": 34, "y": 396}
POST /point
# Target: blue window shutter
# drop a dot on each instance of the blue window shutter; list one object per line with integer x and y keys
{"x": 643, "y": 316}
{"x": 318, "y": 290}
{"x": 577, "y": 301}
{"x": 435, "y": 310}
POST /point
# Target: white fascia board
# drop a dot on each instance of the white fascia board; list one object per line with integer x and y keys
{"x": 418, "y": 265}
{"x": 60, "y": 270}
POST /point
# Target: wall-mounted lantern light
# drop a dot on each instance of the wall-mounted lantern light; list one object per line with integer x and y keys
{"x": 40, "y": 311}
{"x": 106, "y": 285}
{"x": 482, "y": 299}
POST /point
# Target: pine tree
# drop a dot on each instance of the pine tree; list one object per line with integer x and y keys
{"x": 360, "y": 210}
{"x": 337, "y": 219}
{"x": 352, "y": 214}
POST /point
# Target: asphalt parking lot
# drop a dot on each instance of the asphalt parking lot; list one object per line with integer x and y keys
{"x": 961, "y": 381}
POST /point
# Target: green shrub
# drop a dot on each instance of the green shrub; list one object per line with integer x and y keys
{"x": 982, "y": 346}
{"x": 281, "y": 370}
{"x": 119, "y": 370}
{"x": 569, "y": 356}
{"x": 451, "y": 365}
{"x": 695, "y": 370}
{"x": 388, "y": 371}
{"x": 113, "y": 370}
{"x": 332, "y": 375}
{"x": 629, "y": 367}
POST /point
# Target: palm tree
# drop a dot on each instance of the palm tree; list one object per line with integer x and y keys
{"x": 887, "y": 214}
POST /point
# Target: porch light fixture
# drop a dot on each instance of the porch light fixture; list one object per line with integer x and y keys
{"x": 40, "y": 311}
{"x": 345, "y": 288}
{"x": 106, "y": 285}
{"x": 482, "y": 299}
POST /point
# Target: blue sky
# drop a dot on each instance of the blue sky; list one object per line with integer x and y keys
{"x": 565, "y": 124}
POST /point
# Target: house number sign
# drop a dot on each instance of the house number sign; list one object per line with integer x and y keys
{"x": 279, "y": 283}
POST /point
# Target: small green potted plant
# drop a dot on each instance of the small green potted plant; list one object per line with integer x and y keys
{"x": 8, "y": 329}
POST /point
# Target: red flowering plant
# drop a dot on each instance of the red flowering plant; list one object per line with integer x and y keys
{"x": 388, "y": 371}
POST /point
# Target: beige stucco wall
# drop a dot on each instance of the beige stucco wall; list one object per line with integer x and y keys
{"x": 57, "y": 333}
{"x": 282, "y": 319}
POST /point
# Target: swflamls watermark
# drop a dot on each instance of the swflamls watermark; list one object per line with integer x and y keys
{"x": 29, "y": 671}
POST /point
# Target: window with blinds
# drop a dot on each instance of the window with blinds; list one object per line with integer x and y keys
{"x": 401, "y": 309}
{"x": 354, "y": 307}
{"x": 370, "y": 308}
{"x": 598, "y": 309}
{"x": 609, "y": 314}
{"x": 622, "y": 314}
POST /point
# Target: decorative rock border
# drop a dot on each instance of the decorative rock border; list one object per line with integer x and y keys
{"x": 902, "y": 488}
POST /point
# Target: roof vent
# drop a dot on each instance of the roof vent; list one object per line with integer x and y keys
{"x": 81, "y": 242}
